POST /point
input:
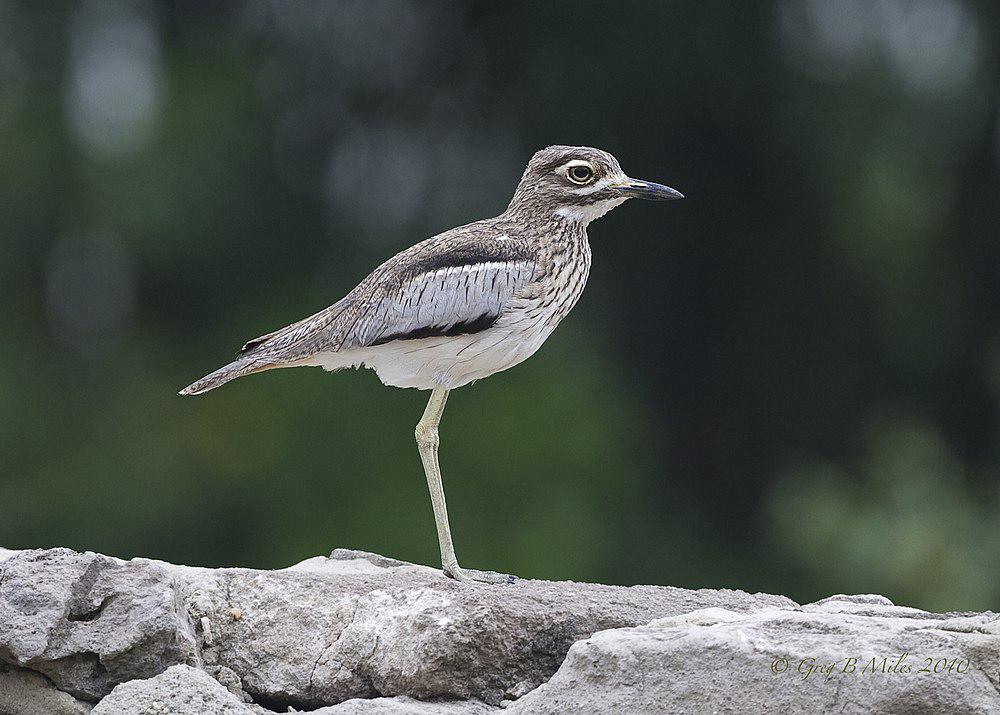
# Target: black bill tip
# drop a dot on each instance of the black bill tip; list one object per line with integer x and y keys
{"x": 638, "y": 189}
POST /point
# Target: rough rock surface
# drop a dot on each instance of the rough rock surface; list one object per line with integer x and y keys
{"x": 183, "y": 690}
{"x": 329, "y": 629}
{"x": 782, "y": 660}
{"x": 179, "y": 689}
{"x": 89, "y": 622}
{"x": 26, "y": 692}
{"x": 359, "y": 633}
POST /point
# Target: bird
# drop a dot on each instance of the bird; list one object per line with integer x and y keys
{"x": 462, "y": 305}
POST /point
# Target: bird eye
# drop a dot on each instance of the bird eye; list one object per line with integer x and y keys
{"x": 580, "y": 174}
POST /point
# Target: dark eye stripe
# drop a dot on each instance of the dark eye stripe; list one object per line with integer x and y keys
{"x": 593, "y": 198}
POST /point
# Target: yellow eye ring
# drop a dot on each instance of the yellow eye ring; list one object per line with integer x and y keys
{"x": 580, "y": 174}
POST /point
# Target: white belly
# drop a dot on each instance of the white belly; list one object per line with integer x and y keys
{"x": 448, "y": 362}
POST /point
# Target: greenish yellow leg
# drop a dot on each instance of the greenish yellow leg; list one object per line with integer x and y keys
{"x": 427, "y": 443}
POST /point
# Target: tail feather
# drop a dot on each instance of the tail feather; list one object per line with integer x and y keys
{"x": 281, "y": 348}
{"x": 235, "y": 369}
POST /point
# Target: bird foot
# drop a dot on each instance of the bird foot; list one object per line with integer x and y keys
{"x": 473, "y": 576}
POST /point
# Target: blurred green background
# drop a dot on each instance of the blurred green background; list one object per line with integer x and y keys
{"x": 787, "y": 382}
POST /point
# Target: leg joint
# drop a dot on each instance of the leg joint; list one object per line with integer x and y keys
{"x": 427, "y": 436}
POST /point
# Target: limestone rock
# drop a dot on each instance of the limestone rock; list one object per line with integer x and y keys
{"x": 402, "y": 705}
{"x": 89, "y": 622}
{"x": 25, "y": 692}
{"x": 354, "y": 625}
{"x": 183, "y": 690}
{"x": 179, "y": 690}
{"x": 784, "y": 660}
{"x": 360, "y": 634}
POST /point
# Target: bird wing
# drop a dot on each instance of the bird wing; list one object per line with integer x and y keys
{"x": 462, "y": 286}
{"x": 457, "y": 282}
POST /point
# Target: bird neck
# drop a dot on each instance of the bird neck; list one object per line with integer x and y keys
{"x": 545, "y": 218}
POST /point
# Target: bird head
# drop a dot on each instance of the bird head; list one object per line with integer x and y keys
{"x": 580, "y": 184}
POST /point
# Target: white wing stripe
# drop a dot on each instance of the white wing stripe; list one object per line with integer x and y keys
{"x": 444, "y": 298}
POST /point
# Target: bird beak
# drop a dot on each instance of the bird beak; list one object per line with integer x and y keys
{"x": 638, "y": 189}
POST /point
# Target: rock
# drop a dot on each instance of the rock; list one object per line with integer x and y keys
{"x": 179, "y": 690}
{"x": 402, "y": 705}
{"x": 358, "y": 634}
{"x": 784, "y": 660}
{"x": 183, "y": 690}
{"x": 362, "y": 627}
{"x": 25, "y": 692}
{"x": 89, "y": 622}
{"x": 229, "y": 680}
{"x": 354, "y": 625}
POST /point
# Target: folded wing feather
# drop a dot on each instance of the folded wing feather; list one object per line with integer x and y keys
{"x": 450, "y": 300}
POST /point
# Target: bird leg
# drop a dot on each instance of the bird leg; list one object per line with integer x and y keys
{"x": 427, "y": 442}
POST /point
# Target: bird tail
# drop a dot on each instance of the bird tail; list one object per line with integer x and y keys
{"x": 237, "y": 368}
